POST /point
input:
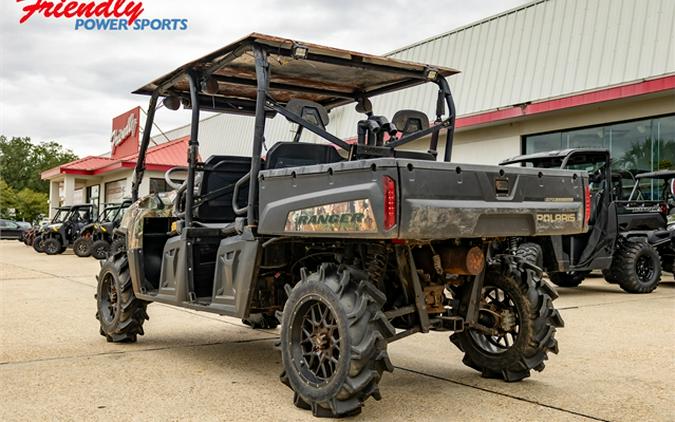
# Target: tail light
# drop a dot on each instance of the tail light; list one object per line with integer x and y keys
{"x": 389, "y": 202}
{"x": 587, "y": 205}
{"x": 663, "y": 208}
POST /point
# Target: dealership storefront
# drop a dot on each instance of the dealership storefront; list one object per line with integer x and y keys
{"x": 107, "y": 179}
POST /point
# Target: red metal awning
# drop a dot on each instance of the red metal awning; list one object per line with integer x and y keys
{"x": 161, "y": 157}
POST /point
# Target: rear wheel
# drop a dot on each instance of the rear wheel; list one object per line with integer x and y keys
{"x": 569, "y": 278}
{"x": 637, "y": 266}
{"x": 333, "y": 341}
{"x": 261, "y": 321}
{"x": 82, "y": 247}
{"x": 610, "y": 277}
{"x": 100, "y": 249}
{"x": 38, "y": 244}
{"x": 120, "y": 314}
{"x": 517, "y": 324}
{"x": 118, "y": 245}
{"x": 52, "y": 246}
{"x": 532, "y": 253}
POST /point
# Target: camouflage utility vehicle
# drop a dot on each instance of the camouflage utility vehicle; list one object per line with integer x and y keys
{"x": 350, "y": 245}
{"x": 56, "y": 237}
{"x": 625, "y": 230}
{"x": 95, "y": 239}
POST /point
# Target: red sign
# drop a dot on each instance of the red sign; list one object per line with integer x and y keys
{"x": 125, "y": 133}
{"x": 104, "y": 9}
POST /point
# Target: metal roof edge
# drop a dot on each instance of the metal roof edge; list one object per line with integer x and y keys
{"x": 464, "y": 27}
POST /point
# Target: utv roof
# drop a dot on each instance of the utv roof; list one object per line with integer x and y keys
{"x": 326, "y": 75}
{"x": 660, "y": 174}
{"x": 551, "y": 154}
{"x": 67, "y": 207}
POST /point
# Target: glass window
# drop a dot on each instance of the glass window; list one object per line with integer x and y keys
{"x": 545, "y": 142}
{"x": 664, "y": 134}
{"x": 636, "y": 147}
{"x": 584, "y": 138}
{"x": 631, "y": 146}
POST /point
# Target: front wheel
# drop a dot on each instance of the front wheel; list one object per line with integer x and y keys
{"x": 569, "y": 278}
{"x": 516, "y": 323}
{"x": 53, "y": 246}
{"x": 82, "y": 247}
{"x": 100, "y": 249}
{"x": 38, "y": 244}
{"x": 120, "y": 314}
{"x": 333, "y": 341}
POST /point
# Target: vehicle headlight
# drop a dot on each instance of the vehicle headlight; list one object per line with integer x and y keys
{"x": 103, "y": 229}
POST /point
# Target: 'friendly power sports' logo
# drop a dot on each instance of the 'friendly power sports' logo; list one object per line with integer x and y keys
{"x": 107, "y": 15}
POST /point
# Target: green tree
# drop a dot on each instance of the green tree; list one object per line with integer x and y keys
{"x": 30, "y": 204}
{"x": 7, "y": 200}
{"x": 639, "y": 156}
{"x": 21, "y": 162}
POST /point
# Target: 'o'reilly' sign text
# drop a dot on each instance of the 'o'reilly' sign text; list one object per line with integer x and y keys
{"x": 118, "y": 136}
{"x": 107, "y": 15}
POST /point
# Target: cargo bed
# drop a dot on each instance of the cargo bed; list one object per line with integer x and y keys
{"x": 433, "y": 200}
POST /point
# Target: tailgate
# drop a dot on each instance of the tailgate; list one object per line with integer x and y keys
{"x": 447, "y": 200}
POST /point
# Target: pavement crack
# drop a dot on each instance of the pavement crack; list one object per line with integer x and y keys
{"x": 124, "y": 352}
{"x": 617, "y": 302}
{"x": 499, "y": 393}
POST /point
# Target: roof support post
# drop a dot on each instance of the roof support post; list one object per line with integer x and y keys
{"x": 452, "y": 114}
{"x": 140, "y": 162}
{"x": 262, "y": 77}
{"x": 193, "y": 147}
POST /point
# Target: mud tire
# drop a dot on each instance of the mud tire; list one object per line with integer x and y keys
{"x": 53, "y": 246}
{"x": 120, "y": 314}
{"x": 261, "y": 321}
{"x": 100, "y": 249}
{"x": 569, "y": 278}
{"x": 38, "y": 244}
{"x": 82, "y": 247}
{"x": 355, "y": 306}
{"x": 637, "y": 266}
{"x": 533, "y": 298}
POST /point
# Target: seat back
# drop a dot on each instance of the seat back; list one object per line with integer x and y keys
{"x": 295, "y": 154}
{"x": 221, "y": 171}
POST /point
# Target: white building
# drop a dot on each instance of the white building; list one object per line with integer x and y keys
{"x": 550, "y": 74}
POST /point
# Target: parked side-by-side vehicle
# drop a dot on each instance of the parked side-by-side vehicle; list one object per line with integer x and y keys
{"x": 95, "y": 239}
{"x": 626, "y": 233}
{"x": 349, "y": 246}
{"x": 56, "y": 237}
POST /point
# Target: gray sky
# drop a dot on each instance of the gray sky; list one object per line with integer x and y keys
{"x": 60, "y": 84}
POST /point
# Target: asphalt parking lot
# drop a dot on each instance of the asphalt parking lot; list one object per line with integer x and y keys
{"x": 616, "y": 360}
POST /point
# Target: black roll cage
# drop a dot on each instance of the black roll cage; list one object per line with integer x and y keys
{"x": 265, "y": 106}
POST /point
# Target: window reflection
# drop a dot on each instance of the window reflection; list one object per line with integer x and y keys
{"x": 636, "y": 147}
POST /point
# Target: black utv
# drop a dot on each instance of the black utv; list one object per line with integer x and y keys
{"x": 656, "y": 190}
{"x": 351, "y": 246}
{"x": 65, "y": 228}
{"x": 621, "y": 239}
{"x": 95, "y": 239}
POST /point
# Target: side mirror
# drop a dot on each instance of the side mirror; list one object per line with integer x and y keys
{"x": 671, "y": 183}
{"x": 364, "y": 106}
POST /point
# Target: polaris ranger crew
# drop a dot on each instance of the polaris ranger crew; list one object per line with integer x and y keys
{"x": 350, "y": 245}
